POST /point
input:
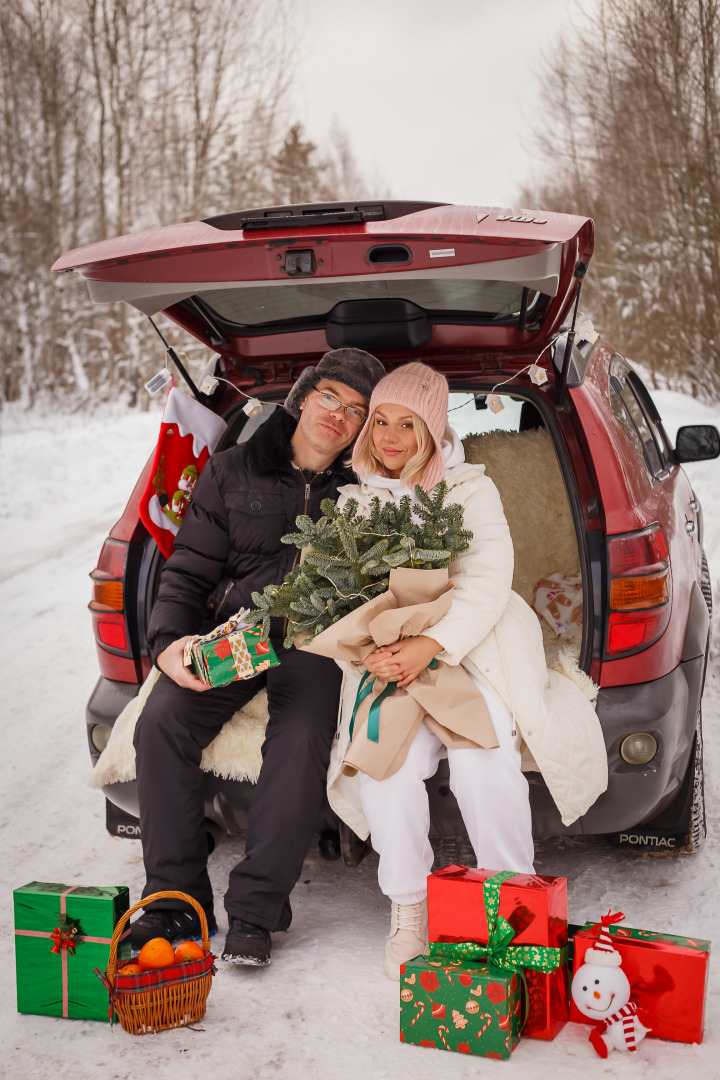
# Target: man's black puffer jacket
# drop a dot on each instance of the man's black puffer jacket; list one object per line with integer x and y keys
{"x": 229, "y": 543}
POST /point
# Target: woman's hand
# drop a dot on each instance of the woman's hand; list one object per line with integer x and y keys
{"x": 403, "y": 661}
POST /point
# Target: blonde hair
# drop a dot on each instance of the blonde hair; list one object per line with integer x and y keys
{"x": 367, "y": 461}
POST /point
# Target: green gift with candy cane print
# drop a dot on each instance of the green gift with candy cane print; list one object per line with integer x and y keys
{"x": 62, "y": 933}
{"x": 234, "y": 650}
{"x": 460, "y": 1005}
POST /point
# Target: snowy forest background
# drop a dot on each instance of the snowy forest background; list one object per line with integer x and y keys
{"x": 121, "y": 115}
{"x": 118, "y": 115}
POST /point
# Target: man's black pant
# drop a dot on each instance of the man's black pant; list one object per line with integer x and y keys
{"x": 174, "y": 728}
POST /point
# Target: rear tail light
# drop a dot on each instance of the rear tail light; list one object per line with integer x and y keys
{"x": 108, "y": 600}
{"x": 640, "y": 590}
{"x": 631, "y": 593}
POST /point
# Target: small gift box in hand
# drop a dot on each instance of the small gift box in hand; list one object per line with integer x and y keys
{"x": 234, "y": 650}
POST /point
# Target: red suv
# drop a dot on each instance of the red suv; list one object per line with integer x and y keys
{"x": 595, "y": 496}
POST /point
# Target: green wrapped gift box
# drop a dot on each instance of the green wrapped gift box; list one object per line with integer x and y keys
{"x": 459, "y": 1005}
{"x": 234, "y": 650}
{"x": 62, "y": 933}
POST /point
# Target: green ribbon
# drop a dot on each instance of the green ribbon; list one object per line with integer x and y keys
{"x": 365, "y": 688}
{"x": 373, "y": 728}
{"x": 498, "y": 951}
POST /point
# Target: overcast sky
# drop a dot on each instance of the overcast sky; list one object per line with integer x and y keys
{"x": 439, "y": 97}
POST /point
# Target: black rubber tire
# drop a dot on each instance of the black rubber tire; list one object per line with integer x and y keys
{"x": 697, "y": 829}
{"x": 706, "y": 587}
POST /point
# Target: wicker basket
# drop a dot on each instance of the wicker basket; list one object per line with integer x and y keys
{"x": 170, "y": 997}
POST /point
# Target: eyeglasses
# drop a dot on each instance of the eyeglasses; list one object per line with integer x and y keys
{"x": 332, "y": 404}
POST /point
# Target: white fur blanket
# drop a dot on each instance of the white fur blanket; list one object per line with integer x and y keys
{"x": 234, "y": 754}
{"x": 524, "y": 467}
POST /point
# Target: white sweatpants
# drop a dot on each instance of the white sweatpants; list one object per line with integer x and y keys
{"x": 492, "y": 794}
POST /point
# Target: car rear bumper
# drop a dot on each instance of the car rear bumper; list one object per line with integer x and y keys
{"x": 666, "y": 708}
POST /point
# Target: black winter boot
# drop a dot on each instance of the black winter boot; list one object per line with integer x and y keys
{"x": 247, "y": 944}
{"x": 170, "y": 924}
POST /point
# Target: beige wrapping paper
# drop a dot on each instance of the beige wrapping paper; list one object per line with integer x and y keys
{"x": 445, "y": 697}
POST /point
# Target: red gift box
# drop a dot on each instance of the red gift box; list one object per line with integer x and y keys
{"x": 535, "y": 907}
{"x": 667, "y": 976}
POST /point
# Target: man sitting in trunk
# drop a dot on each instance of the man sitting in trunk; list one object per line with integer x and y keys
{"x": 229, "y": 545}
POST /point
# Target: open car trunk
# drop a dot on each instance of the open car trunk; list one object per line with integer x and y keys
{"x": 266, "y": 288}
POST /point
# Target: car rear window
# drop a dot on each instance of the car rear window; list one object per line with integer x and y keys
{"x": 496, "y": 301}
{"x": 630, "y": 404}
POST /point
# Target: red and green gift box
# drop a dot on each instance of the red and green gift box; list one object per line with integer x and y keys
{"x": 667, "y": 976}
{"x": 234, "y": 650}
{"x": 62, "y": 933}
{"x": 531, "y": 912}
{"x": 463, "y": 1005}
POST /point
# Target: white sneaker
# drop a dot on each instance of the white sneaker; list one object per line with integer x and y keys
{"x": 408, "y": 936}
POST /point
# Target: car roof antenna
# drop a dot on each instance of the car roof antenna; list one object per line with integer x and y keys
{"x": 172, "y": 355}
{"x": 580, "y": 272}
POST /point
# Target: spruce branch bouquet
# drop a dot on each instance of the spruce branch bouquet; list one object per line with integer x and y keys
{"x": 348, "y": 558}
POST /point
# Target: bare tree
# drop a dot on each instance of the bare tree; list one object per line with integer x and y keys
{"x": 116, "y": 115}
{"x": 633, "y": 106}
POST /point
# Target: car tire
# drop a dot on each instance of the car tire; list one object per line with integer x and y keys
{"x": 706, "y": 586}
{"x": 697, "y": 828}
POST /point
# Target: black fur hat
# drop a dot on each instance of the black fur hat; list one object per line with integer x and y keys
{"x": 354, "y": 367}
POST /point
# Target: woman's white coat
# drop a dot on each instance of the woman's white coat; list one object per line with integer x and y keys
{"x": 493, "y": 633}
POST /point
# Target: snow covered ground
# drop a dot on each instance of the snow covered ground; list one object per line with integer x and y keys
{"x": 323, "y": 1008}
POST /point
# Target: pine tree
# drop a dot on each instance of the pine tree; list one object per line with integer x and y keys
{"x": 348, "y": 558}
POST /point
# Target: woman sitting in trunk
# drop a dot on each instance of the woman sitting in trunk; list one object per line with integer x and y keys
{"x": 541, "y": 719}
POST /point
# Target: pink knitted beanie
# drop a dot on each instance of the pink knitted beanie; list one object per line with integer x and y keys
{"x": 424, "y": 392}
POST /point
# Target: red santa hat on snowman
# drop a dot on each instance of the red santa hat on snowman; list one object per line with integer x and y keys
{"x": 603, "y": 952}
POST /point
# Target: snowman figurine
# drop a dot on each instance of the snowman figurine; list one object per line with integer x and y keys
{"x": 601, "y": 990}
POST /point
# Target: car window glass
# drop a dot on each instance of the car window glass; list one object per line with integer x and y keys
{"x": 260, "y": 304}
{"x": 241, "y": 426}
{"x": 632, "y": 417}
{"x": 652, "y": 418}
{"x": 469, "y": 414}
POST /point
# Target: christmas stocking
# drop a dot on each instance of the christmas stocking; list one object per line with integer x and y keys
{"x": 188, "y": 435}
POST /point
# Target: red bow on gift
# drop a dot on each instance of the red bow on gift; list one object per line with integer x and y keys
{"x": 64, "y": 939}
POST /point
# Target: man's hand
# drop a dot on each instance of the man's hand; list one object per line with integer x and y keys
{"x": 170, "y": 662}
{"x": 403, "y": 661}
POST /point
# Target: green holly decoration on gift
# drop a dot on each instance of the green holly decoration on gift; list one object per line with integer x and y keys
{"x": 66, "y": 935}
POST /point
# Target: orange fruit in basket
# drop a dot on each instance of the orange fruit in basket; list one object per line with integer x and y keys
{"x": 156, "y": 953}
{"x": 188, "y": 950}
{"x": 130, "y": 968}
